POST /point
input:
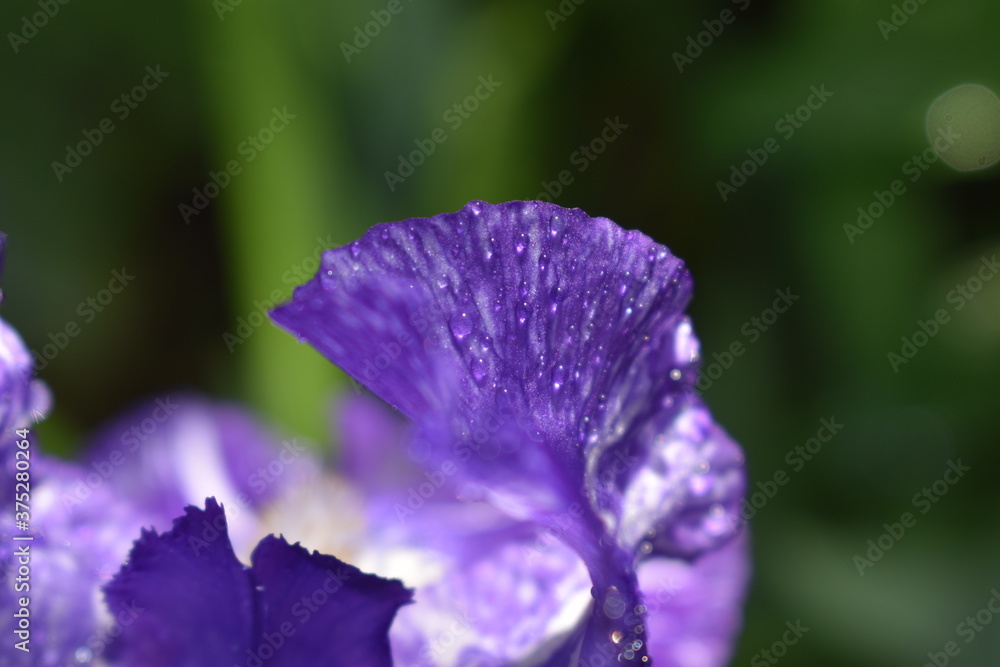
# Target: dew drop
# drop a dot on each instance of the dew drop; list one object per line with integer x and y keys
{"x": 617, "y": 636}
{"x": 461, "y": 326}
{"x": 556, "y": 226}
{"x": 478, "y": 369}
{"x": 614, "y": 603}
{"x": 558, "y": 377}
{"x": 385, "y": 233}
{"x": 328, "y": 279}
{"x": 543, "y": 262}
{"x": 523, "y": 312}
{"x": 675, "y": 374}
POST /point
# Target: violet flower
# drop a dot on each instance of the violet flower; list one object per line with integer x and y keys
{"x": 556, "y": 494}
{"x": 547, "y": 366}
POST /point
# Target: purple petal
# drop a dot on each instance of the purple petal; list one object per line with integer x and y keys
{"x": 189, "y": 600}
{"x": 321, "y": 611}
{"x": 23, "y": 400}
{"x": 537, "y": 348}
{"x": 76, "y": 547}
{"x": 695, "y": 609}
{"x": 371, "y": 438}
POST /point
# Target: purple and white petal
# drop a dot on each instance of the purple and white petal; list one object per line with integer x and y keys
{"x": 175, "y": 451}
{"x": 536, "y": 348}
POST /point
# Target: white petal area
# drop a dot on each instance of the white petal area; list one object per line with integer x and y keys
{"x": 689, "y": 480}
{"x": 324, "y": 512}
{"x": 203, "y": 472}
{"x": 686, "y": 345}
{"x": 492, "y": 598}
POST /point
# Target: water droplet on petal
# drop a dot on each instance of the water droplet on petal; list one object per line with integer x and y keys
{"x": 617, "y": 636}
{"x": 614, "y": 603}
{"x": 478, "y": 369}
{"x": 523, "y": 312}
{"x": 327, "y": 279}
{"x": 461, "y": 326}
{"x": 675, "y": 374}
{"x": 556, "y": 226}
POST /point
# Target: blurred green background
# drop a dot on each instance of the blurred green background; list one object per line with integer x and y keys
{"x": 560, "y": 74}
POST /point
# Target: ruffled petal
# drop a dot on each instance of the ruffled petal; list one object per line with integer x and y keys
{"x": 321, "y": 611}
{"x": 683, "y": 491}
{"x": 535, "y": 347}
{"x": 189, "y": 601}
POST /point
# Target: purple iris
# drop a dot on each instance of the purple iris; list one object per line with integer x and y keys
{"x": 546, "y": 364}
{"x": 549, "y": 490}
